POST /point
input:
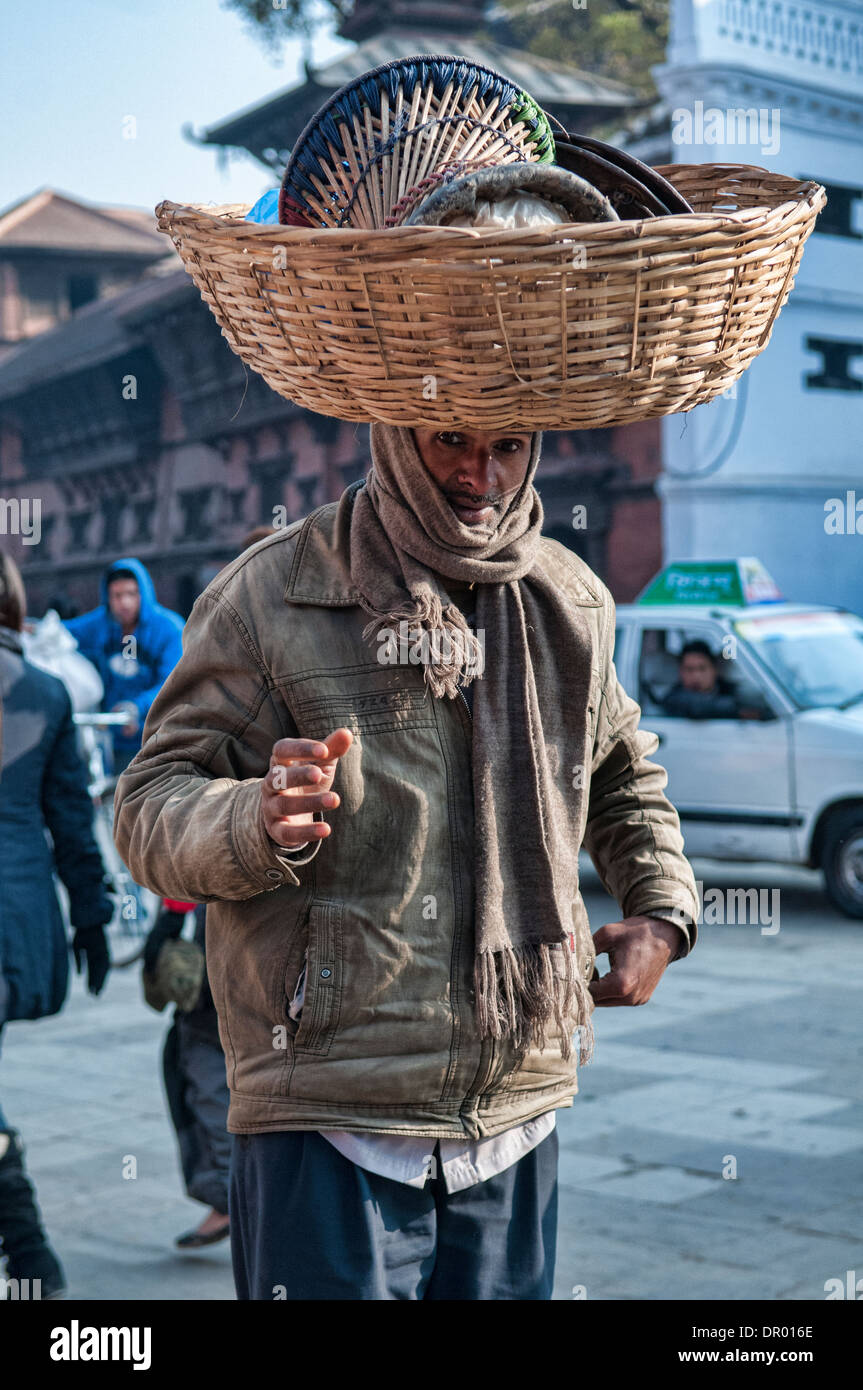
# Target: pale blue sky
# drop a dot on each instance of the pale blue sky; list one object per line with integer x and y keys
{"x": 72, "y": 70}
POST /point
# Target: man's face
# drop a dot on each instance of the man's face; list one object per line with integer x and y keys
{"x": 124, "y": 601}
{"x": 478, "y": 471}
{"x": 697, "y": 672}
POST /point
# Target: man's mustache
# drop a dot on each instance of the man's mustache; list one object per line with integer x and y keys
{"x": 466, "y": 500}
{"x": 471, "y": 499}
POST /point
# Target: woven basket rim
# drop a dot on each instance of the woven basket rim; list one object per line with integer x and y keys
{"x": 228, "y": 219}
{"x": 338, "y": 328}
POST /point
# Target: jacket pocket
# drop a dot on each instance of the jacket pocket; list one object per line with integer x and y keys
{"x": 318, "y": 1021}
{"x": 295, "y": 990}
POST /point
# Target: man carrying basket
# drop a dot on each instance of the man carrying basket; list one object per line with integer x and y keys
{"x": 388, "y": 840}
{"x": 396, "y": 722}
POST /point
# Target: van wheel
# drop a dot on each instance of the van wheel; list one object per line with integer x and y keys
{"x": 842, "y": 861}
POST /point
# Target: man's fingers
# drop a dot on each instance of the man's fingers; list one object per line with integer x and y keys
{"x": 287, "y": 804}
{"x": 609, "y": 989}
{"x": 312, "y": 750}
{"x": 290, "y": 836}
{"x": 290, "y": 749}
{"x": 607, "y": 938}
{"x": 298, "y": 784}
{"x": 283, "y": 776}
{"x": 621, "y": 986}
{"x": 338, "y": 744}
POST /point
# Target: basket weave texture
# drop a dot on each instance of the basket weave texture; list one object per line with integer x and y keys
{"x": 582, "y": 326}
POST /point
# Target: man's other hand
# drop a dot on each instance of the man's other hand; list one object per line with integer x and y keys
{"x": 638, "y": 949}
{"x": 299, "y": 783}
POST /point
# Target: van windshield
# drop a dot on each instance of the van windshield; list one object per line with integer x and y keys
{"x": 817, "y": 657}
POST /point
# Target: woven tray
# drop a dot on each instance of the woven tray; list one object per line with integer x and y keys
{"x": 576, "y": 327}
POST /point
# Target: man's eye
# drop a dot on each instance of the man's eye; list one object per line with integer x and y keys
{"x": 450, "y": 437}
{"x": 509, "y": 446}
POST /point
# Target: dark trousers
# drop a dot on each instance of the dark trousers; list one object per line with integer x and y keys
{"x": 307, "y": 1223}
{"x": 194, "y": 1071}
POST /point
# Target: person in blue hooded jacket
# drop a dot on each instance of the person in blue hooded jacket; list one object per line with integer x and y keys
{"x": 134, "y": 643}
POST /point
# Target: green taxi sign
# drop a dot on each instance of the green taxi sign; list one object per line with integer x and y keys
{"x": 737, "y": 583}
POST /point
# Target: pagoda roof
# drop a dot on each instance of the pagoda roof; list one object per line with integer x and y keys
{"x": 269, "y": 129}
{"x": 49, "y": 221}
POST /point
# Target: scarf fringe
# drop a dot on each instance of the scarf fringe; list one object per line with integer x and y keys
{"x": 458, "y": 650}
{"x": 518, "y": 994}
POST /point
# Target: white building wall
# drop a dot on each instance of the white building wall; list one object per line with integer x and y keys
{"x": 754, "y": 473}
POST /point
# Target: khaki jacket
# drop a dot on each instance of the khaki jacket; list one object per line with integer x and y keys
{"x": 386, "y": 1041}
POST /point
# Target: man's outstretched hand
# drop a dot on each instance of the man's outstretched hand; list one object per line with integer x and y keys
{"x": 299, "y": 782}
{"x": 639, "y": 949}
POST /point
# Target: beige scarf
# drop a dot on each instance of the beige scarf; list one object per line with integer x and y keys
{"x": 403, "y": 533}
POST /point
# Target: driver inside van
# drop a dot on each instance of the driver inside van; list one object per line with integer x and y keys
{"x": 700, "y": 691}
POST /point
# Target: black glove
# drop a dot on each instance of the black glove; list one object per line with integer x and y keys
{"x": 167, "y": 927}
{"x": 90, "y": 943}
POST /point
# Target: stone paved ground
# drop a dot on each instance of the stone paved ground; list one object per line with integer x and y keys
{"x": 749, "y": 1054}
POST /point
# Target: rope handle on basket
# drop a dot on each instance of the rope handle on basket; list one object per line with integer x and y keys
{"x": 373, "y": 322}
{"x": 265, "y": 295}
{"x": 779, "y": 298}
{"x": 728, "y": 308}
{"x": 226, "y": 322}
{"x": 548, "y": 395}
{"x": 794, "y": 261}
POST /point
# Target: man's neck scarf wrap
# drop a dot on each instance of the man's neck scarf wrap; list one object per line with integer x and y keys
{"x": 403, "y": 534}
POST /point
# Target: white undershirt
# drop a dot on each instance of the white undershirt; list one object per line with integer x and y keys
{"x": 463, "y": 1162}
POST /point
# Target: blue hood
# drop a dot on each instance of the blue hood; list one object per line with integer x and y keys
{"x": 145, "y": 584}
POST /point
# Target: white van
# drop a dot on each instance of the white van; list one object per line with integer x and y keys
{"x": 769, "y": 763}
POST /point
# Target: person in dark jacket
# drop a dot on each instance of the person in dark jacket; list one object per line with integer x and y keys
{"x": 134, "y": 643}
{"x": 700, "y": 692}
{"x": 43, "y": 787}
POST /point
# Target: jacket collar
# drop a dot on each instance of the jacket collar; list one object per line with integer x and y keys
{"x": 321, "y": 568}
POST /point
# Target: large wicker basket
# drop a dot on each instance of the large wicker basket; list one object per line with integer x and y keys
{"x": 577, "y": 327}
